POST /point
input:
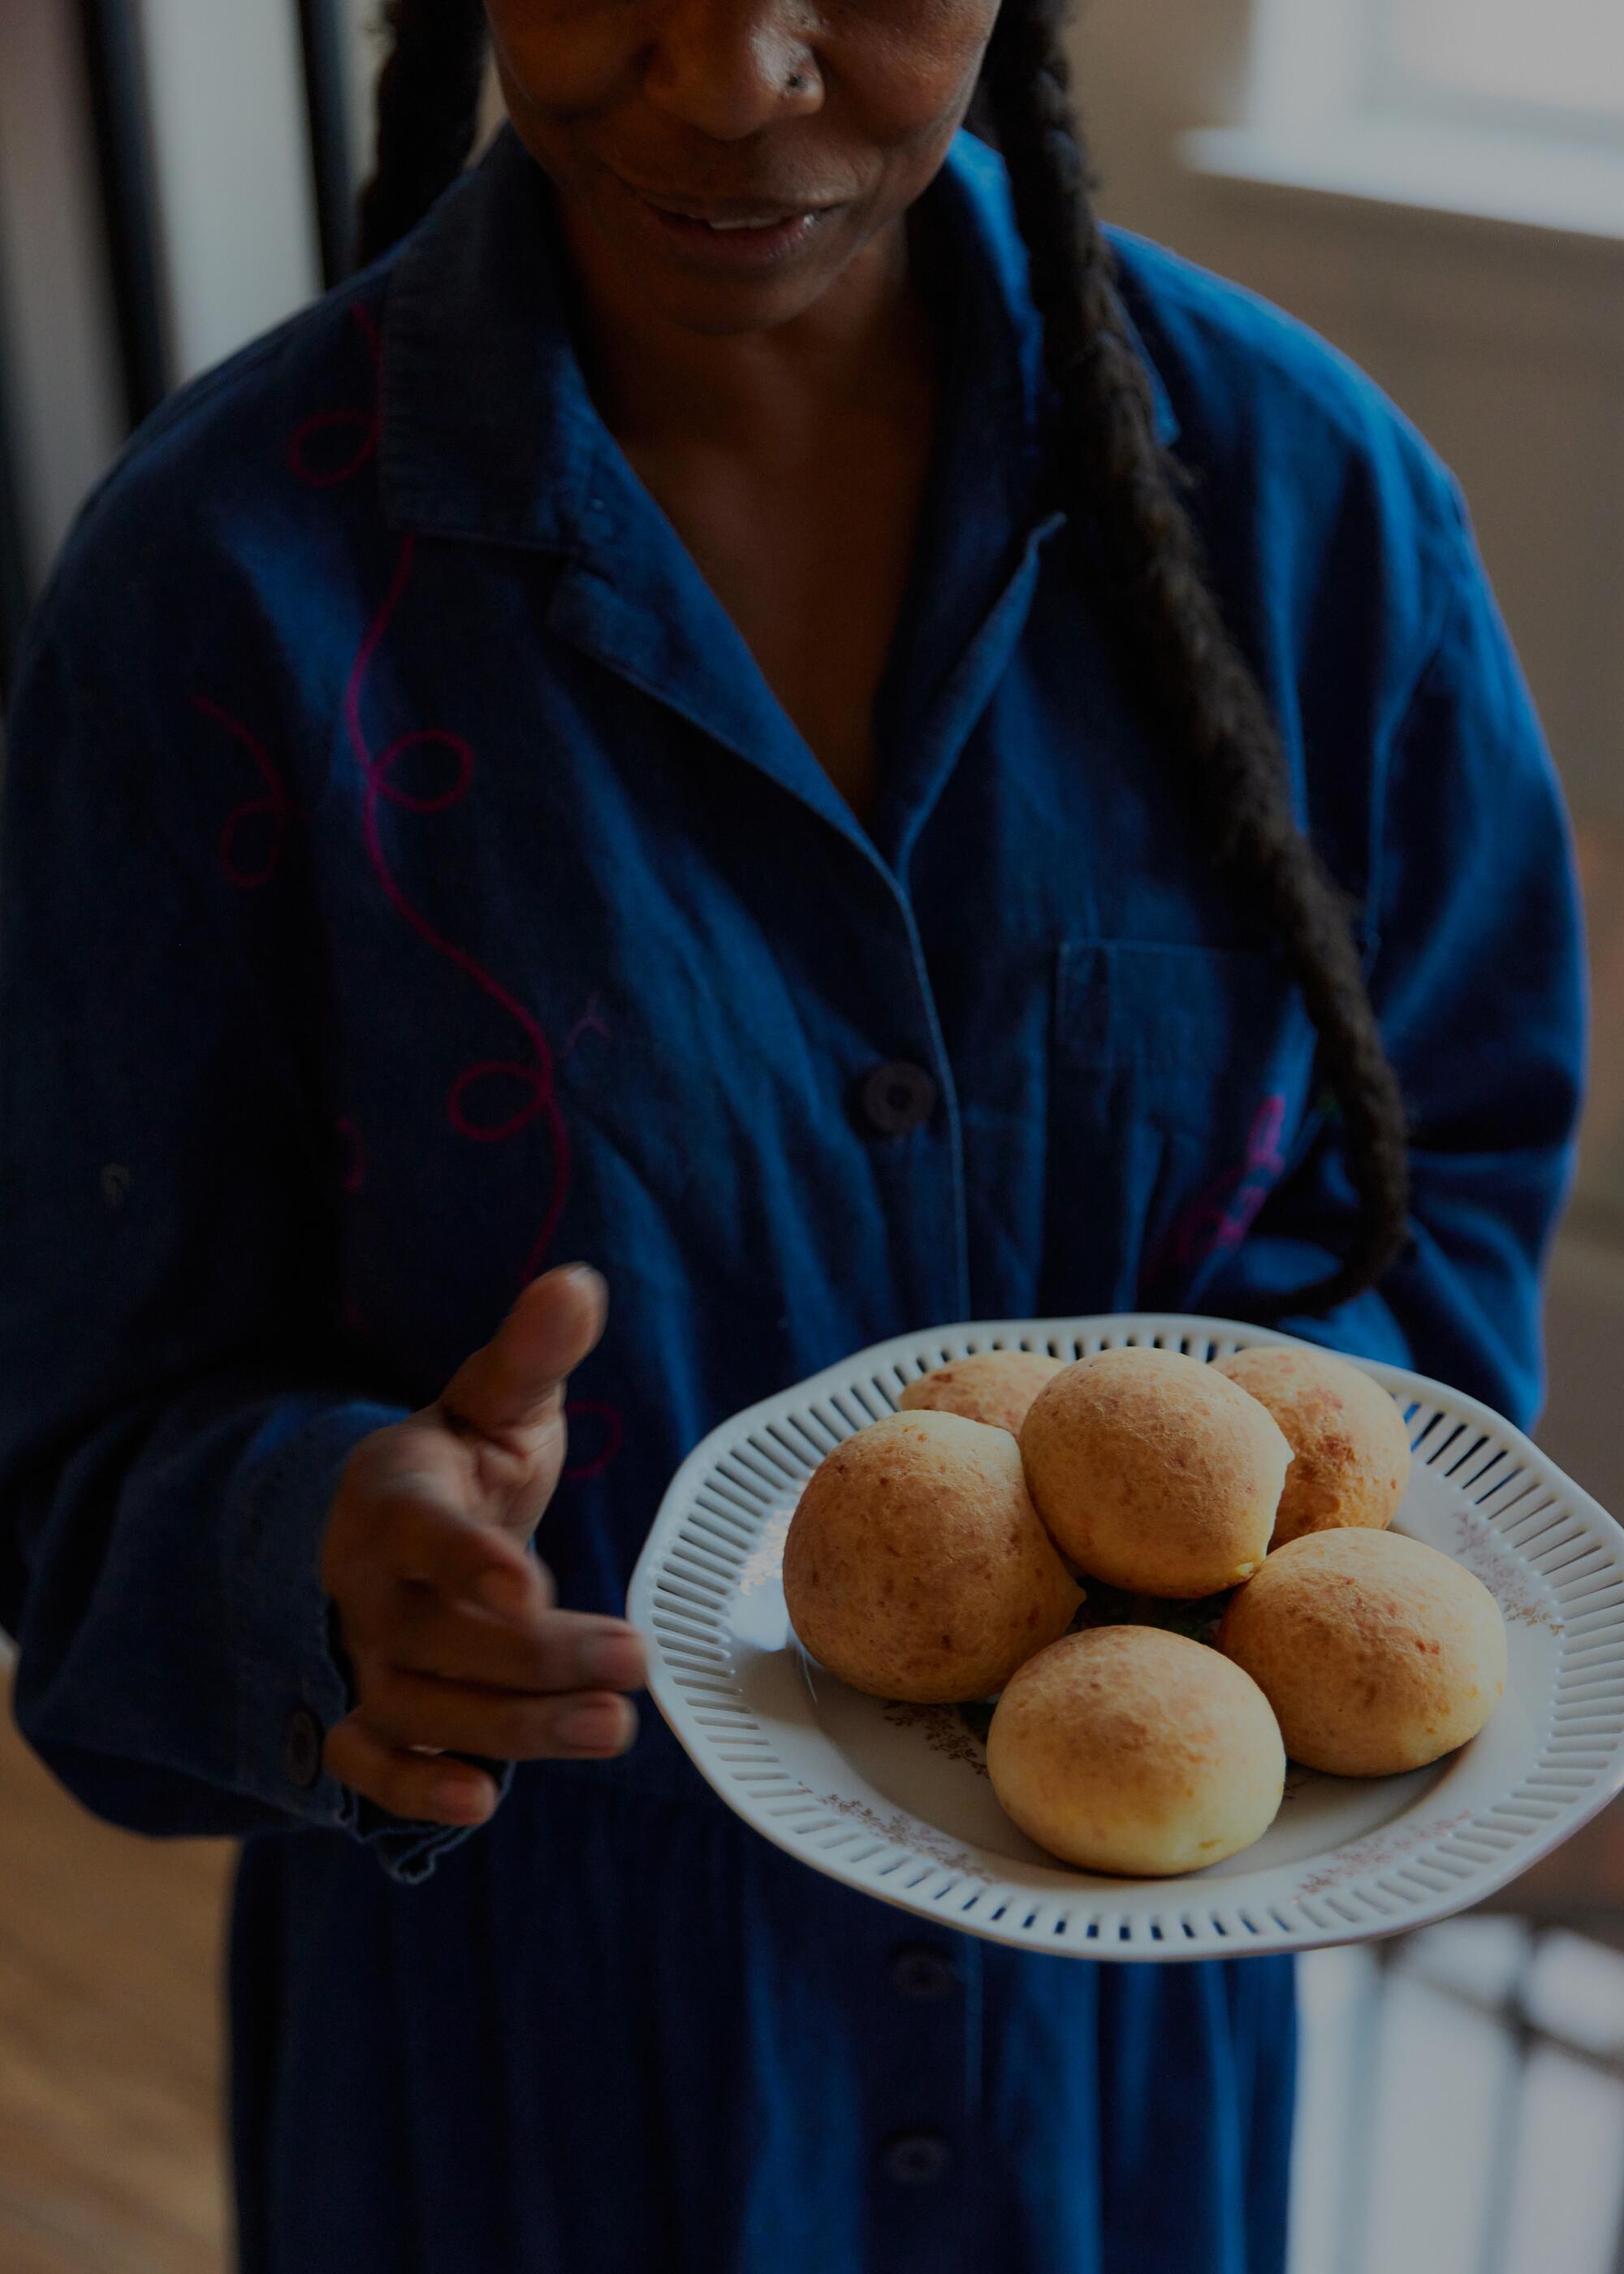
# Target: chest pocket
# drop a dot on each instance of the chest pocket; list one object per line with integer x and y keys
{"x": 1180, "y": 1088}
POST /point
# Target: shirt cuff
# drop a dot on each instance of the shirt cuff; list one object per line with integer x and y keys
{"x": 296, "y": 1681}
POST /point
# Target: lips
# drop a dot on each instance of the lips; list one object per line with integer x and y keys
{"x": 740, "y": 236}
{"x": 733, "y": 213}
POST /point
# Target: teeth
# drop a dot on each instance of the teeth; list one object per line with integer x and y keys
{"x": 747, "y": 224}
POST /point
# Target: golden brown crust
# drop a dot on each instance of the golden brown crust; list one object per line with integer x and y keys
{"x": 916, "y": 1566}
{"x": 1378, "y": 1653}
{"x": 1154, "y": 1471}
{"x": 1350, "y": 1452}
{"x": 1130, "y": 1750}
{"x": 997, "y": 1387}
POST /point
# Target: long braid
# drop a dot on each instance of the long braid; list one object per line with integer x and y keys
{"x": 1110, "y": 464}
{"x": 428, "y": 113}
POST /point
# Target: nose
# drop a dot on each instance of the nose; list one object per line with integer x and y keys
{"x": 724, "y": 67}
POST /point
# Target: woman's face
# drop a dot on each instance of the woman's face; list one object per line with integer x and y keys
{"x": 638, "y": 107}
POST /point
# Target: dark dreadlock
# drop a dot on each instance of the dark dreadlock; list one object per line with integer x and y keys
{"x": 1110, "y": 470}
{"x": 428, "y": 113}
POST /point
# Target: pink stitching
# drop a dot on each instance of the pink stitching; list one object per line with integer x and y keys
{"x": 590, "y": 1022}
{"x": 346, "y": 470}
{"x": 447, "y": 797}
{"x": 370, "y": 422}
{"x": 615, "y": 1428}
{"x": 1223, "y": 1211}
{"x": 485, "y": 1133}
{"x": 276, "y": 802}
{"x": 374, "y": 767}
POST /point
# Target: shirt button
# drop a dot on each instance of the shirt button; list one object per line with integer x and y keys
{"x": 919, "y": 1971}
{"x": 913, "y": 2159}
{"x": 898, "y": 1097}
{"x": 301, "y": 1748}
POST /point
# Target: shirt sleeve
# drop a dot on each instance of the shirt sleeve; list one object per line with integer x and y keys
{"x": 1478, "y": 983}
{"x": 175, "y": 1403}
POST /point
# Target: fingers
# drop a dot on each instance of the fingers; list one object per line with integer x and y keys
{"x": 419, "y": 1709}
{"x": 545, "y": 1650}
{"x": 449, "y": 1624}
{"x": 561, "y": 1703}
{"x": 413, "y": 1786}
{"x": 406, "y": 1523}
{"x": 437, "y": 1547}
{"x": 511, "y": 1390}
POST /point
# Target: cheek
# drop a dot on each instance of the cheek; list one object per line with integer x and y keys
{"x": 565, "y": 59}
{"x": 905, "y": 65}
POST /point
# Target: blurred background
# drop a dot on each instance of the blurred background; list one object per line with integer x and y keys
{"x": 1438, "y": 187}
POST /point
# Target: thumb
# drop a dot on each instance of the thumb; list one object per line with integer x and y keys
{"x": 511, "y": 1389}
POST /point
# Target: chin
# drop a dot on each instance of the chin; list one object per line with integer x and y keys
{"x": 723, "y": 309}
{"x": 715, "y": 305}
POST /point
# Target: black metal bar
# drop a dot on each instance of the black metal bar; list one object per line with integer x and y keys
{"x": 326, "y": 100}
{"x": 116, "y": 80}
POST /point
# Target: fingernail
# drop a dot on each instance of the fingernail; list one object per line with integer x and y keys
{"x": 594, "y": 1729}
{"x": 503, "y": 1592}
{"x": 470, "y": 1802}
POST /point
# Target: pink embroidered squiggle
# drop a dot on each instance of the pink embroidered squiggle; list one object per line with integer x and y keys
{"x": 534, "y": 1073}
{"x": 614, "y": 1430}
{"x": 590, "y": 1022}
{"x": 1222, "y": 1213}
{"x": 367, "y": 424}
{"x": 275, "y": 803}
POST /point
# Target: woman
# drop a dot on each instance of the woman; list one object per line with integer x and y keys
{"x": 772, "y": 760}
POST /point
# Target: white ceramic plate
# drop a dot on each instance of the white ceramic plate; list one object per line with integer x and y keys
{"x": 894, "y": 1799}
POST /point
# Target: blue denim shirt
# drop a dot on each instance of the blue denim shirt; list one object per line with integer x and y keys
{"x": 409, "y": 880}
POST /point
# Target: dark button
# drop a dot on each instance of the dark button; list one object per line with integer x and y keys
{"x": 301, "y": 1748}
{"x": 919, "y": 1971}
{"x": 898, "y": 1097}
{"x": 913, "y": 2159}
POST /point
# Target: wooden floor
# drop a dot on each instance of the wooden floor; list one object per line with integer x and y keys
{"x": 111, "y": 2159}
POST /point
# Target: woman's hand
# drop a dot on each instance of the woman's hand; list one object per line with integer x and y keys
{"x": 448, "y": 1622}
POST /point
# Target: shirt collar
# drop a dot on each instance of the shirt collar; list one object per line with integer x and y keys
{"x": 489, "y": 429}
{"x": 976, "y": 176}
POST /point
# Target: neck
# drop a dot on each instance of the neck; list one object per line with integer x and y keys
{"x": 862, "y": 341}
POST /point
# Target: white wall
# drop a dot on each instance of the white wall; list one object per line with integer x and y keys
{"x": 233, "y": 167}
{"x": 1504, "y": 345}
{"x": 57, "y": 328}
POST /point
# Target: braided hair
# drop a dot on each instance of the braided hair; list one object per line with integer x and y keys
{"x": 428, "y": 113}
{"x": 1110, "y": 469}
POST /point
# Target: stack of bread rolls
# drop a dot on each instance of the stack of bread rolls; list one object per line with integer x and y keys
{"x": 1056, "y": 1535}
